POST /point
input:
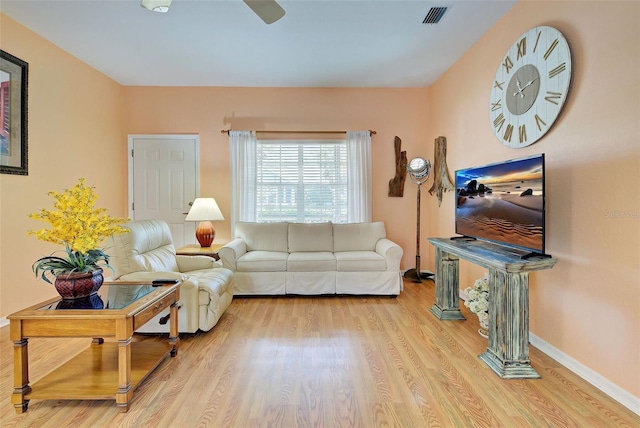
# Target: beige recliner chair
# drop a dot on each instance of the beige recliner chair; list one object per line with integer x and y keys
{"x": 148, "y": 253}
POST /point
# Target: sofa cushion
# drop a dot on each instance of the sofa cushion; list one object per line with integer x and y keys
{"x": 316, "y": 261}
{"x": 353, "y": 261}
{"x": 263, "y": 236}
{"x": 357, "y": 236}
{"x": 310, "y": 237}
{"x": 263, "y": 261}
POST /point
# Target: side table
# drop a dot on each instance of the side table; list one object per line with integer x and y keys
{"x": 105, "y": 370}
{"x": 197, "y": 250}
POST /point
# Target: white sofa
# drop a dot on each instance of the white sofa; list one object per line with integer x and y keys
{"x": 147, "y": 253}
{"x": 313, "y": 259}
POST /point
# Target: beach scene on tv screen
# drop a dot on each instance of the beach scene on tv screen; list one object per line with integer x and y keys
{"x": 503, "y": 202}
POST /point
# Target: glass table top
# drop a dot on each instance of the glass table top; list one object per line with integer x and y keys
{"x": 110, "y": 296}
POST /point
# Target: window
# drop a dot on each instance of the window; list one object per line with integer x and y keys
{"x": 301, "y": 181}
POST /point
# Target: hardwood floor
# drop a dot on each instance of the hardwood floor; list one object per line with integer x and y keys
{"x": 325, "y": 362}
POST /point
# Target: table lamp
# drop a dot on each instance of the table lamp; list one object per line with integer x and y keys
{"x": 205, "y": 210}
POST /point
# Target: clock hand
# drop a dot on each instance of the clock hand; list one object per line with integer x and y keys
{"x": 521, "y": 89}
{"x": 528, "y": 83}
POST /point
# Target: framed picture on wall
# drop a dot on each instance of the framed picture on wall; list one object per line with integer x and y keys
{"x": 14, "y": 74}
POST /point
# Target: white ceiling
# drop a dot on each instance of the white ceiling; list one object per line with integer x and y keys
{"x": 318, "y": 43}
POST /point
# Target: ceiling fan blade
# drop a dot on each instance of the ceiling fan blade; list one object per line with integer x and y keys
{"x": 268, "y": 10}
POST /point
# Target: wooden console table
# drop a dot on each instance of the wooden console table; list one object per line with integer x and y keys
{"x": 105, "y": 370}
{"x": 508, "y": 350}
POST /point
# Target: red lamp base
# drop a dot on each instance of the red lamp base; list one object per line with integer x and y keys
{"x": 205, "y": 233}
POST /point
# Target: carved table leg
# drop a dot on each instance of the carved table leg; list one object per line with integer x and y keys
{"x": 447, "y": 306}
{"x": 20, "y": 375}
{"x": 125, "y": 392}
{"x": 508, "y": 351}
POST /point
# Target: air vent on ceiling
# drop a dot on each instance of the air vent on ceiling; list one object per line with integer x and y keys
{"x": 434, "y": 15}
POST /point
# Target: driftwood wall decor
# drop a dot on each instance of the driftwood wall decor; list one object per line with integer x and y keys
{"x": 396, "y": 184}
{"x": 441, "y": 178}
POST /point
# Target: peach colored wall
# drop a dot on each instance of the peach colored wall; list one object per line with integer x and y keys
{"x": 206, "y": 111}
{"x": 588, "y": 305}
{"x": 75, "y": 130}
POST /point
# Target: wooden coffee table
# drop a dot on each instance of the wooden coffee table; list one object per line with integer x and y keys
{"x": 105, "y": 370}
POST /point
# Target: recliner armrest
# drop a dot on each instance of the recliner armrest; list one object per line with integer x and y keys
{"x": 150, "y": 276}
{"x": 231, "y": 252}
{"x": 187, "y": 283}
{"x": 391, "y": 251}
{"x": 189, "y": 263}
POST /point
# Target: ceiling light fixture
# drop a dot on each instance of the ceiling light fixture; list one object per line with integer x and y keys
{"x": 156, "y": 5}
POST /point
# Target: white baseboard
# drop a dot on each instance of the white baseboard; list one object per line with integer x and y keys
{"x": 622, "y": 396}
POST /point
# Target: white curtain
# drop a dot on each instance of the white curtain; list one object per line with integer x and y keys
{"x": 242, "y": 166}
{"x": 359, "y": 176}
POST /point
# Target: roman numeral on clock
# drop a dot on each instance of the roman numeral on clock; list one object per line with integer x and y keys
{"x": 522, "y": 48}
{"x": 498, "y": 122}
{"x": 553, "y": 97}
{"x": 522, "y": 133}
{"x": 498, "y": 85}
{"x": 551, "y": 48}
{"x": 497, "y": 105}
{"x": 559, "y": 69}
{"x": 535, "y": 46}
{"x": 507, "y": 132}
{"x": 507, "y": 64}
{"x": 540, "y": 121}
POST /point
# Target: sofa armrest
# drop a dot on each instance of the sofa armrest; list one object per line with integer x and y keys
{"x": 392, "y": 253}
{"x": 231, "y": 252}
{"x": 189, "y": 263}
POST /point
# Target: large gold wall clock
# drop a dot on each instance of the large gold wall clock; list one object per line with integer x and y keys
{"x": 530, "y": 87}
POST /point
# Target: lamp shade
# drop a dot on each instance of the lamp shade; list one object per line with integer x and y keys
{"x": 204, "y": 209}
{"x": 156, "y": 5}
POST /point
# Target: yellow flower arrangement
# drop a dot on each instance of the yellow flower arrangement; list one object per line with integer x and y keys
{"x": 80, "y": 227}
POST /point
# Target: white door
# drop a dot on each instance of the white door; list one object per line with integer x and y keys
{"x": 163, "y": 181}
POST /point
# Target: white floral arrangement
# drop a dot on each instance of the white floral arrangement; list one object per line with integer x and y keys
{"x": 478, "y": 300}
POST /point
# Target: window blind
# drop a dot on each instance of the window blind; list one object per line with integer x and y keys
{"x": 301, "y": 181}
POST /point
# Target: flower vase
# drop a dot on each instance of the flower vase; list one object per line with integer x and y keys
{"x": 483, "y": 332}
{"x": 79, "y": 285}
{"x": 484, "y": 328}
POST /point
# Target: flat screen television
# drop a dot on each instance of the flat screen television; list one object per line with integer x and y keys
{"x": 504, "y": 203}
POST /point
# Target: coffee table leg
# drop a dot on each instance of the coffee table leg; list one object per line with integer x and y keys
{"x": 125, "y": 392}
{"x": 20, "y": 375}
{"x": 174, "y": 340}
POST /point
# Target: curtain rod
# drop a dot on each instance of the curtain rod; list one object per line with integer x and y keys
{"x": 372, "y": 132}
